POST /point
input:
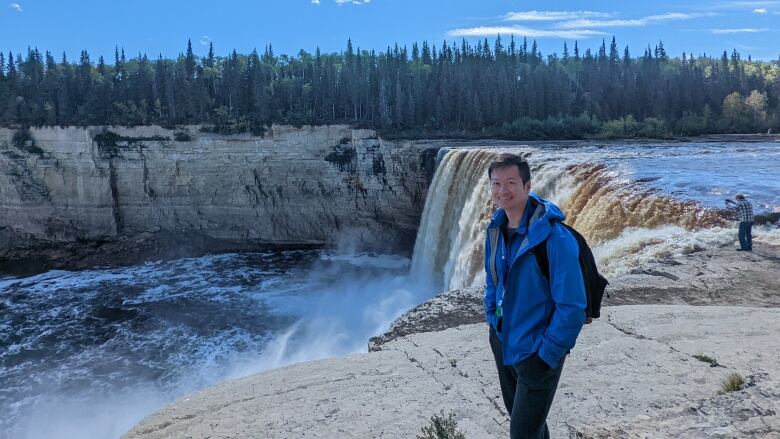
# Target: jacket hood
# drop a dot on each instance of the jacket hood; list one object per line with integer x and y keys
{"x": 540, "y": 221}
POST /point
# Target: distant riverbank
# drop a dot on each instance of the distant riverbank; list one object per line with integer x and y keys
{"x": 562, "y": 136}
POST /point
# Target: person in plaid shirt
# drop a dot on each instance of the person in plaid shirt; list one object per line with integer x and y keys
{"x": 745, "y": 215}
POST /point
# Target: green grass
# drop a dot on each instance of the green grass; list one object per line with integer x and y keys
{"x": 441, "y": 427}
{"x": 732, "y": 383}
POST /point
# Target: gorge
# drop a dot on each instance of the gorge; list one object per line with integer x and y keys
{"x": 306, "y": 234}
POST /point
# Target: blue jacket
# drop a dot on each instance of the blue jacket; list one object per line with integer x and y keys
{"x": 539, "y": 316}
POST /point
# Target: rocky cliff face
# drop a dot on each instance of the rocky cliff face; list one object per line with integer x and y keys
{"x": 70, "y": 189}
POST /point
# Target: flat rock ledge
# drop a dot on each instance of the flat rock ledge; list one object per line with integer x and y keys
{"x": 716, "y": 276}
{"x": 447, "y": 310}
{"x": 632, "y": 374}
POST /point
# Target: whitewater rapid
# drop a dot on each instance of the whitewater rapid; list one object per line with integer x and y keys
{"x": 88, "y": 354}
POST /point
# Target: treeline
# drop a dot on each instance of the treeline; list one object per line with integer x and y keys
{"x": 505, "y": 89}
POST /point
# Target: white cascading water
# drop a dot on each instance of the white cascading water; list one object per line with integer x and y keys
{"x": 626, "y": 223}
{"x": 450, "y": 217}
{"x": 451, "y": 236}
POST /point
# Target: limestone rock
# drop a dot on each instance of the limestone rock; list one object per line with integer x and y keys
{"x": 447, "y": 310}
{"x": 716, "y": 276}
{"x": 309, "y": 186}
{"x": 632, "y": 372}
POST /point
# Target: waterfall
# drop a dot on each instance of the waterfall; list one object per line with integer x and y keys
{"x": 452, "y": 222}
{"x": 598, "y": 202}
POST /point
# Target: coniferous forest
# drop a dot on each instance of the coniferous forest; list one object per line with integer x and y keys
{"x": 505, "y": 88}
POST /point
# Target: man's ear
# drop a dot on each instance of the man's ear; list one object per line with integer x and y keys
{"x": 528, "y": 186}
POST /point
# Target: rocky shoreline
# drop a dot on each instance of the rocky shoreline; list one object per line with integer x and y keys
{"x": 636, "y": 372}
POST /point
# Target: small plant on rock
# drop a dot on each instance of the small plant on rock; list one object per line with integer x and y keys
{"x": 732, "y": 383}
{"x": 707, "y": 359}
{"x": 441, "y": 427}
{"x": 24, "y": 140}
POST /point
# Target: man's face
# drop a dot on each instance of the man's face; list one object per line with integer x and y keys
{"x": 507, "y": 188}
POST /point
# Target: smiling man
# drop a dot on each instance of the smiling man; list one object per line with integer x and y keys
{"x": 534, "y": 319}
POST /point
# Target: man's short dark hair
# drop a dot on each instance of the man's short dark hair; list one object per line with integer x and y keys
{"x": 507, "y": 160}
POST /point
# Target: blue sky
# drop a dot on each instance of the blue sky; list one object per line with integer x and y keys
{"x": 163, "y": 26}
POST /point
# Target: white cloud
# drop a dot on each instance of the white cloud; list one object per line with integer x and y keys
{"x": 315, "y": 2}
{"x": 674, "y": 16}
{"x": 567, "y": 24}
{"x": 15, "y": 6}
{"x": 760, "y": 11}
{"x": 553, "y": 15}
{"x": 205, "y": 40}
{"x": 737, "y": 31}
{"x": 745, "y": 4}
{"x": 636, "y": 22}
{"x": 350, "y": 2}
{"x": 486, "y": 31}
{"x": 574, "y": 24}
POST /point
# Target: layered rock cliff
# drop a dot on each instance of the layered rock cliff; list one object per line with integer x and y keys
{"x": 67, "y": 193}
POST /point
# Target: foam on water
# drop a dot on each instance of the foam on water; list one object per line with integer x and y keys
{"x": 702, "y": 172}
{"x": 106, "y": 347}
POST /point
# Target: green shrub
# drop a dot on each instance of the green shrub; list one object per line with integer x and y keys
{"x": 732, "y": 383}
{"x": 691, "y": 124}
{"x": 707, "y": 359}
{"x": 623, "y": 128}
{"x": 342, "y": 156}
{"x": 441, "y": 427}
{"x": 23, "y": 140}
{"x": 654, "y": 128}
{"x": 629, "y": 128}
{"x": 107, "y": 139}
{"x": 558, "y": 128}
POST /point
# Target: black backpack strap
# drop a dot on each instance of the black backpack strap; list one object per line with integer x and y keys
{"x": 542, "y": 260}
{"x": 493, "y": 234}
{"x": 540, "y": 251}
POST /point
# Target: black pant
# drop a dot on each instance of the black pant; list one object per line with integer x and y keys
{"x": 528, "y": 389}
{"x": 746, "y": 235}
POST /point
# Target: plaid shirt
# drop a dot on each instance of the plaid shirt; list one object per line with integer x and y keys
{"x": 744, "y": 211}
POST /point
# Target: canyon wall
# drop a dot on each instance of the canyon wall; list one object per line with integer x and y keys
{"x": 80, "y": 188}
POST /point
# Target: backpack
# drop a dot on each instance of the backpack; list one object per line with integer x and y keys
{"x": 595, "y": 283}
